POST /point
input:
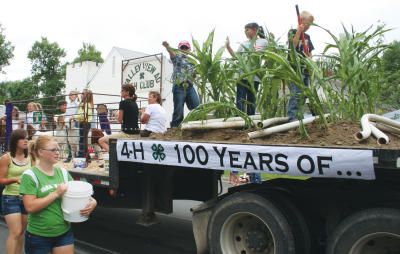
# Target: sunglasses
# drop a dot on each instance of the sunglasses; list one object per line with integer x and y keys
{"x": 184, "y": 48}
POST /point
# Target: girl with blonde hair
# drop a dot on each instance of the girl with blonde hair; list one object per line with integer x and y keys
{"x": 42, "y": 188}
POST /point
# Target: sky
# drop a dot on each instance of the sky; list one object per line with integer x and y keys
{"x": 143, "y": 25}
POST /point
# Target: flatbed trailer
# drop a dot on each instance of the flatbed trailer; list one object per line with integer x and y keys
{"x": 342, "y": 199}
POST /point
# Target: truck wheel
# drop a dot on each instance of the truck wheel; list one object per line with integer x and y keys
{"x": 372, "y": 231}
{"x": 246, "y": 223}
{"x": 296, "y": 221}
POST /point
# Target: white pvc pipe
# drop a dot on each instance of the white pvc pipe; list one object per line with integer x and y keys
{"x": 272, "y": 121}
{"x": 384, "y": 127}
{"x": 281, "y": 128}
{"x": 216, "y": 125}
{"x": 366, "y": 129}
{"x": 230, "y": 119}
{"x": 381, "y": 138}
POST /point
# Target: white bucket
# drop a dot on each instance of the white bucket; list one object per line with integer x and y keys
{"x": 75, "y": 199}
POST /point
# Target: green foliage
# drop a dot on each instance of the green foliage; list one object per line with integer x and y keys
{"x": 391, "y": 57}
{"x": 228, "y": 109}
{"x": 19, "y": 91}
{"x": 48, "y": 71}
{"x": 208, "y": 68}
{"x": 357, "y": 65}
{"x": 88, "y": 52}
{"x": 391, "y": 68}
{"x": 6, "y": 50}
{"x": 350, "y": 74}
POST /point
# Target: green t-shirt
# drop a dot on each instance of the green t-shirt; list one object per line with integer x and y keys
{"x": 48, "y": 222}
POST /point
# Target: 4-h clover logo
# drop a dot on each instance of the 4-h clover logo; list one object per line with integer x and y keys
{"x": 158, "y": 152}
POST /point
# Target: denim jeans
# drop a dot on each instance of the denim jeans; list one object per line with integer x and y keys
{"x": 182, "y": 95}
{"x": 39, "y": 244}
{"x": 12, "y": 204}
{"x": 245, "y": 99}
{"x": 83, "y": 131}
{"x": 294, "y": 100}
{"x": 254, "y": 177}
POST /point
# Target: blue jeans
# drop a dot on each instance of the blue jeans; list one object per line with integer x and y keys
{"x": 294, "y": 100}
{"x": 181, "y": 96}
{"x": 254, "y": 177}
{"x": 12, "y": 204}
{"x": 35, "y": 244}
{"x": 245, "y": 97}
{"x": 83, "y": 131}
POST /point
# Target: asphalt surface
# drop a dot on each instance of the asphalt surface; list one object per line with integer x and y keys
{"x": 80, "y": 247}
{"x": 115, "y": 231}
{"x": 111, "y": 230}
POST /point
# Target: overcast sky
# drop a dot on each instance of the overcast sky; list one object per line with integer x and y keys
{"x": 143, "y": 25}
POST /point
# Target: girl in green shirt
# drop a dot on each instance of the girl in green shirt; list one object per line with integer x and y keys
{"x": 12, "y": 165}
{"x": 42, "y": 188}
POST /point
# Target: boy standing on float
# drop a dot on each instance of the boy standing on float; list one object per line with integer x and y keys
{"x": 295, "y": 40}
{"x": 182, "y": 76}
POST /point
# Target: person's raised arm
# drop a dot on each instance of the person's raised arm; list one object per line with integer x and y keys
{"x": 296, "y": 37}
{"x": 172, "y": 54}
{"x": 229, "y": 48}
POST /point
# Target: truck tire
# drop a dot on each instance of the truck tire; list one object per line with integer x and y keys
{"x": 371, "y": 231}
{"x": 246, "y": 223}
{"x": 296, "y": 221}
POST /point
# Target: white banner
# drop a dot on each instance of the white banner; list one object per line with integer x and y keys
{"x": 293, "y": 161}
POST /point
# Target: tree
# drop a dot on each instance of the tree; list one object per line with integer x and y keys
{"x": 391, "y": 57}
{"x": 391, "y": 66}
{"x": 48, "y": 72}
{"x": 19, "y": 90}
{"x": 6, "y": 50}
{"x": 88, "y": 52}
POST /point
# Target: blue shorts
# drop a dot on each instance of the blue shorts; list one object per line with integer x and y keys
{"x": 35, "y": 244}
{"x": 12, "y": 204}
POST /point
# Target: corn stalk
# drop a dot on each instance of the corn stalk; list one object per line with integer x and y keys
{"x": 356, "y": 58}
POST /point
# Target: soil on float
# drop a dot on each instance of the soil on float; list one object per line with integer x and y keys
{"x": 339, "y": 134}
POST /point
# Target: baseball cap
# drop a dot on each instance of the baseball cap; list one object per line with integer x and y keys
{"x": 183, "y": 43}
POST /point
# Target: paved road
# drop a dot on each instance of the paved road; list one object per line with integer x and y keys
{"x": 115, "y": 231}
{"x": 80, "y": 247}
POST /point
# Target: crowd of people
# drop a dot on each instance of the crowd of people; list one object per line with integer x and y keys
{"x": 31, "y": 202}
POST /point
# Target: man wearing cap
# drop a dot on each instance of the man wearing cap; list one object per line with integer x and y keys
{"x": 182, "y": 76}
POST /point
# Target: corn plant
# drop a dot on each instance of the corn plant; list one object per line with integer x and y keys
{"x": 350, "y": 90}
{"x": 227, "y": 108}
{"x": 208, "y": 69}
{"x": 270, "y": 101}
{"x": 356, "y": 61}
